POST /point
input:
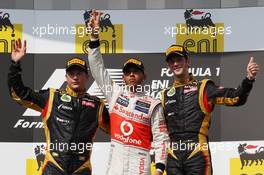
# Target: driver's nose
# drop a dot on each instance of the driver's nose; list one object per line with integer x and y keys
{"x": 75, "y": 76}
{"x": 131, "y": 73}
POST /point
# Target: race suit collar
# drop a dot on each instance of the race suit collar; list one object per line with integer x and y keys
{"x": 178, "y": 83}
{"x": 73, "y": 93}
{"x": 132, "y": 94}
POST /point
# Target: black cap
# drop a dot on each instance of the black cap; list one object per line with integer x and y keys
{"x": 176, "y": 50}
{"x": 75, "y": 61}
{"x": 133, "y": 62}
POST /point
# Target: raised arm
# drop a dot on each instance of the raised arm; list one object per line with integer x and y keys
{"x": 25, "y": 96}
{"x": 233, "y": 96}
{"x": 98, "y": 70}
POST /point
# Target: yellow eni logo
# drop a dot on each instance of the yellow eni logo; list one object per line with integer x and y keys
{"x": 34, "y": 166}
{"x": 250, "y": 161}
{"x": 235, "y": 168}
{"x": 8, "y": 33}
{"x": 199, "y": 33}
{"x": 153, "y": 169}
{"x": 111, "y": 36}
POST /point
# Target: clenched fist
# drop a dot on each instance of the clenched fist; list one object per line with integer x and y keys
{"x": 94, "y": 23}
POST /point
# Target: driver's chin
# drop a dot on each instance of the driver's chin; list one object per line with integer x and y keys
{"x": 132, "y": 84}
{"x": 178, "y": 72}
{"x": 76, "y": 88}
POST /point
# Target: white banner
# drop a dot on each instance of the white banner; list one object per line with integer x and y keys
{"x": 136, "y": 31}
{"x": 229, "y": 158}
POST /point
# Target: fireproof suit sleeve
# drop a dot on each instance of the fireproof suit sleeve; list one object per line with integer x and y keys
{"x": 98, "y": 70}
{"x": 160, "y": 137}
{"x": 23, "y": 95}
{"x": 229, "y": 96}
{"x": 104, "y": 118}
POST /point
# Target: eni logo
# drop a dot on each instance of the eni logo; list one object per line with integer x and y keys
{"x": 200, "y": 33}
{"x": 250, "y": 161}
{"x": 9, "y": 32}
{"x": 34, "y": 166}
{"x": 111, "y": 35}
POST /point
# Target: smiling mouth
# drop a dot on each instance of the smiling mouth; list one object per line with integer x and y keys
{"x": 177, "y": 68}
{"x": 132, "y": 80}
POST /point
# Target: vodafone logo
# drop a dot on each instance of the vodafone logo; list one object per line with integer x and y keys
{"x": 126, "y": 128}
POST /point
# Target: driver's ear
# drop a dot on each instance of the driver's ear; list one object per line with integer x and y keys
{"x": 66, "y": 77}
{"x": 168, "y": 66}
{"x": 188, "y": 62}
{"x": 145, "y": 77}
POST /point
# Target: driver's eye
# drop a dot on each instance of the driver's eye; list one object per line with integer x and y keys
{"x": 127, "y": 73}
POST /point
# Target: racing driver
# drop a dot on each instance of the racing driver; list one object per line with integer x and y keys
{"x": 188, "y": 105}
{"x": 70, "y": 116}
{"x": 135, "y": 119}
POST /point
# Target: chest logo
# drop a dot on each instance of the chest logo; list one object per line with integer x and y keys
{"x": 170, "y": 102}
{"x": 65, "y": 98}
{"x": 61, "y": 106}
{"x": 171, "y": 92}
{"x": 122, "y": 102}
{"x": 126, "y": 128}
{"x": 88, "y": 104}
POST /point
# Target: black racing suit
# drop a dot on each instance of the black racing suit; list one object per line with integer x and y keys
{"x": 70, "y": 122}
{"x": 187, "y": 107}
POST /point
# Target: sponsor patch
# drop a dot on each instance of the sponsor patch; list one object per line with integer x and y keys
{"x": 125, "y": 97}
{"x": 87, "y": 99}
{"x": 170, "y": 114}
{"x": 61, "y": 106}
{"x": 190, "y": 89}
{"x": 144, "y": 110}
{"x": 65, "y": 98}
{"x": 122, "y": 102}
{"x": 76, "y": 61}
{"x": 88, "y": 104}
{"x": 64, "y": 122}
{"x": 171, "y": 92}
{"x": 170, "y": 102}
{"x": 143, "y": 104}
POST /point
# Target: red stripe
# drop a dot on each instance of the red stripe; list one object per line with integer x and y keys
{"x": 43, "y": 169}
{"x": 207, "y": 106}
{"x": 251, "y": 147}
{"x": 196, "y": 12}
{"x": 207, "y": 164}
{"x": 44, "y": 112}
